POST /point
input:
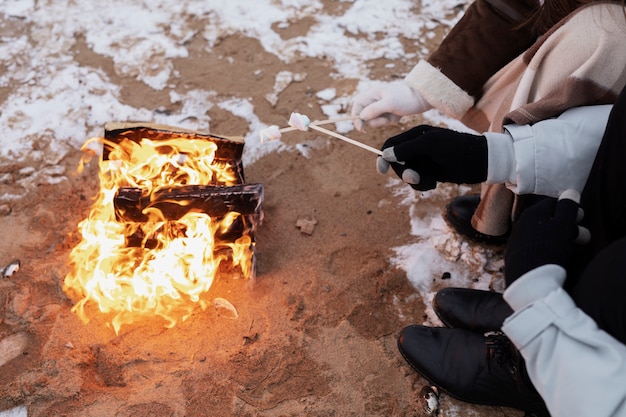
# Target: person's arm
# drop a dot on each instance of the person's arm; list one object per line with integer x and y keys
{"x": 486, "y": 38}
{"x": 578, "y": 369}
{"x": 546, "y": 158}
{"x": 550, "y": 156}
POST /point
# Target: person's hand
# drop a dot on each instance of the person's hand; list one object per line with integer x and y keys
{"x": 545, "y": 233}
{"x": 386, "y": 103}
{"x": 427, "y": 154}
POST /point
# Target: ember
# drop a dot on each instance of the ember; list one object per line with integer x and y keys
{"x": 172, "y": 215}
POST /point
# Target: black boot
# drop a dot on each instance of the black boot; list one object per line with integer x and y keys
{"x": 458, "y": 214}
{"x": 475, "y": 368}
{"x": 476, "y": 310}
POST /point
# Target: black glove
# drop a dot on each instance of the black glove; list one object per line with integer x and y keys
{"x": 545, "y": 233}
{"x": 427, "y": 154}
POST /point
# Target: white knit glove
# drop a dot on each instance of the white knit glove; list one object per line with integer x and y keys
{"x": 386, "y": 103}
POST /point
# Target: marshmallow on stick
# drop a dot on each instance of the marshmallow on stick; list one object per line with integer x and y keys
{"x": 299, "y": 121}
{"x": 302, "y": 122}
{"x": 274, "y": 132}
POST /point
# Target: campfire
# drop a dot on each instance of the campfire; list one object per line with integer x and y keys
{"x": 173, "y": 214}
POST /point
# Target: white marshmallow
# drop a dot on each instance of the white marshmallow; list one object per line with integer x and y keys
{"x": 271, "y": 133}
{"x": 299, "y": 121}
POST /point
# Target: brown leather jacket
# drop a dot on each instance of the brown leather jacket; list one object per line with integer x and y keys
{"x": 485, "y": 39}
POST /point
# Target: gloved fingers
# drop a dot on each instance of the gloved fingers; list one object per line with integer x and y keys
{"x": 583, "y": 237}
{"x": 566, "y": 209}
{"x": 574, "y": 196}
{"x": 382, "y": 165}
{"x": 580, "y": 215}
{"x": 377, "y": 103}
{"x": 362, "y": 100}
{"x": 398, "y": 169}
{"x": 567, "y": 206}
{"x": 570, "y": 194}
{"x": 389, "y": 154}
{"x": 535, "y": 214}
{"x": 381, "y": 120}
{"x": 425, "y": 184}
{"x": 411, "y": 176}
{"x": 374, "y": 108}
{"x": 359, "y": 102}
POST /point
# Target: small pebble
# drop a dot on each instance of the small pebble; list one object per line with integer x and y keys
{"x": 5, "y": 209}
{"x": 11, "y": 268}
{"x": 306, "y": 225}
{"x": 429, "y": 398}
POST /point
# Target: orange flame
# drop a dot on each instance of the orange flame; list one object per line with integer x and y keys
{"x": 168, "y": 279}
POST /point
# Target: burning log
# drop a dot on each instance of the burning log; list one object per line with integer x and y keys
{"x": 133, "y": 204}
{"x": 172, "y": 203}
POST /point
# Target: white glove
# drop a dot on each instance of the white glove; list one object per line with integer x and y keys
{"x": 386, "y": 103}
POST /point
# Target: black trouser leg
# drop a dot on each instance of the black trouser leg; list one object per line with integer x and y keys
{"x": 601, "y": 290}
{"x": 598, "y": 286}
{"x": 604, "y": 196}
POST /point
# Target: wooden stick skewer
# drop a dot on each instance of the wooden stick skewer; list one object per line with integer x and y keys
{"x": 301, "y": 122}
{"x": 335, "y": 120}
{"x": 345, "y": 138}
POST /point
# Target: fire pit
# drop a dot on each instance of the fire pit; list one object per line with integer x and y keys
{"x": 173, "y": 214}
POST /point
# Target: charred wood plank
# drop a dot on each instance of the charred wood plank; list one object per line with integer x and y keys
{"x": 174, "y": 202}
{"x": 228, "y": 149}
{"x": 243, "y": 226}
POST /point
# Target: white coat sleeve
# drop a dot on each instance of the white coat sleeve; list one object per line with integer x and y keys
{"x": 550, "y": 156}
{"x": 577, "y": 368}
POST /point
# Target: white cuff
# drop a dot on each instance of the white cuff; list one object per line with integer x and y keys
{"x": 524, "y": 158}
{"x": 534, "y": 285}
{"x": 500, "y": 158}
{"x": 438, "y": 90}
